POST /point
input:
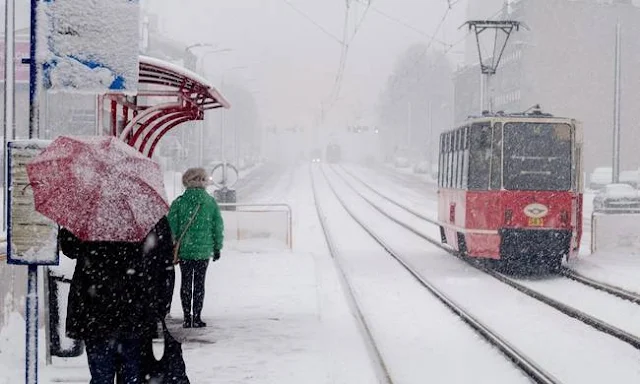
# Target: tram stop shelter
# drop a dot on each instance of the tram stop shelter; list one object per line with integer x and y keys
{"x": 168, "y": 95}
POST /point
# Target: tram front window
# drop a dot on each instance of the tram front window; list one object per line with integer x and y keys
{"x": 537, "y": 156}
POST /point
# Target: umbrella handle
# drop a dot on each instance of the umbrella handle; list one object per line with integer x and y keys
{"x": 24, "y": 189}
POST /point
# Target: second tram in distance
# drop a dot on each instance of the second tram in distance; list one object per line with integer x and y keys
{"x": 510, "y": 189}
{"x": 333, "y": 153}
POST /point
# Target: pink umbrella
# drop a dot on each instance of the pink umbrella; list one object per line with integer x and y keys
{"x": 98, "y": 187}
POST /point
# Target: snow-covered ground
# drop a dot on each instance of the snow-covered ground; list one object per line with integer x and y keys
{"x": 274, "y": 317}
{"x": 280, "y": 316}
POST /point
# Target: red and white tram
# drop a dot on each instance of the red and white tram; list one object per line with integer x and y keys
{"x": 510, "y": 188}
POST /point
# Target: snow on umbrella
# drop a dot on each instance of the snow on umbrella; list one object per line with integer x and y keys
{"x": 98, "y": 187}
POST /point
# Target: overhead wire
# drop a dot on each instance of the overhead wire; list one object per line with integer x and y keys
{"x": 419, "y": 58}
{"x": 450, "y": 5}
{"x": 337, "y": 86}
{"x": 361, "y": 21}
{"x": 312, "y": 21}
{"x": 450, "y": 47}
{"x": 406, "y": 25}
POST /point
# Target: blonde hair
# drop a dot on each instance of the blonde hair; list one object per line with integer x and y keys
{"x": 195, "y": 178}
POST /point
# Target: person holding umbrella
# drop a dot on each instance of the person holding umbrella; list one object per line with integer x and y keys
{"x": 117, "y": 295}
{"x": 111, "y": 205}
{"x": 197, "y": 226}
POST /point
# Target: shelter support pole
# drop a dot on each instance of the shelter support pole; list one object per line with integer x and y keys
{"x": 31, "y": 313}
{"x": 9, "y": 93}
{"x": 31, "y": 318}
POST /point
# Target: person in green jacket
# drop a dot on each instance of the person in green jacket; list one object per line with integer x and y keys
{"x": 197, "y": 227}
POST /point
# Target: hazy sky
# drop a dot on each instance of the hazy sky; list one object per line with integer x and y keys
{"x": 292, "y": 64}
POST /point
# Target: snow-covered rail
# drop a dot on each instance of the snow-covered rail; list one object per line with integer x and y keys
{"x": 380, "y": 367}
{"x": 610, "y": 289}
{"x": 521, "y": 361}
{"x": 566, "y": 309}
{"x": 385, "y": 197}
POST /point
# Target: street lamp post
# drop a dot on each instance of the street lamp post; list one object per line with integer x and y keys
{"x": 201, "y": 125}
{"x": 191, "y": 62}
{"x": 198, "y": 67}
{"x": 222, "y": 120}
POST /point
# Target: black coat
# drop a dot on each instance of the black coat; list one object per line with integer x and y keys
{"x": 119, "y": 289}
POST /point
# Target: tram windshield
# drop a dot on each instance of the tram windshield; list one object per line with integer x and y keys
{"x": 537, "y": 156}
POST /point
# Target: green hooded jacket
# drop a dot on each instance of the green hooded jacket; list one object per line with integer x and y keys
{"x": 205, "y": 234}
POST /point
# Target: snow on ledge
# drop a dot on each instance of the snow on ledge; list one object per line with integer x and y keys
{"x": 186, "y": 73}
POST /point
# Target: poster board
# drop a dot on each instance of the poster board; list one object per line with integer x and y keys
{"x": 31, "y": 237}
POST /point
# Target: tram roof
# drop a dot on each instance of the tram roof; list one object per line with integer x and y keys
{"x": 513, "y": 116}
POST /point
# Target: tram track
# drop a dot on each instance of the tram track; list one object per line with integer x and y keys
{"x": 521, "y": 361}
{"x": 381, "y": 370}
{"x": 568, "y": 310}
{"x": 604, "y": 287}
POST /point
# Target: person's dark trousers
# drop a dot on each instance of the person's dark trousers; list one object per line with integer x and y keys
{"x": 193, "y": 274}
{"x": 105, "y": 357}
{"x": 171, "y": 284}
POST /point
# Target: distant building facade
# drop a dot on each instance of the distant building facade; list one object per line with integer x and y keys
{"x": 565, "y": 63}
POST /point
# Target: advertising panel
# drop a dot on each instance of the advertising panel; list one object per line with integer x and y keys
{"x": 31, "y": 237}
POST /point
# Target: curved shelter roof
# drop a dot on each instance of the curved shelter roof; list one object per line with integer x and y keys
{"x": 176, "y": 95}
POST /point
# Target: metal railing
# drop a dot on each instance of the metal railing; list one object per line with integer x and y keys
{"x": 270, "y": 207}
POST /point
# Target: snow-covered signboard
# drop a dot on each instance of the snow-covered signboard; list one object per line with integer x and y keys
{"x": 89, "y": 47}
{"x": 31, "y": 237}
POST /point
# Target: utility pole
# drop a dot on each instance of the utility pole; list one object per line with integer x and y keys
{"x": 222, "y": 154}
{"x": 430, "y": 146}
{"x": 409, "y": 113}
{"x": 616, "y": 109}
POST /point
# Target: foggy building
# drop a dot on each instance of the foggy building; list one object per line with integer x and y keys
{"x": 565, "y": 63}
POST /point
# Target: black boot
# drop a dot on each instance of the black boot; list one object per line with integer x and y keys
{"x": 198, "y": 323}
{"x": 186, "y": 323}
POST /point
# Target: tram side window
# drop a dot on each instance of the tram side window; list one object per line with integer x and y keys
{"x": 454, "y": 154}
{"x": 444, "y": 161}
{"x": 479, "y": 156}
{"x": 496, "y": 157}
{"x": 465, "y": 158}
{"x": 577, "y": 182}
{"x": 452, "y": 163}
{"x": 441, "y": 162}
{"x": 447, "y": 181}
{"x": 460, "y": 155}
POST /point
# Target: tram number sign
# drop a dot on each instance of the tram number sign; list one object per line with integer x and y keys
{"x": 536, "y": 221}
